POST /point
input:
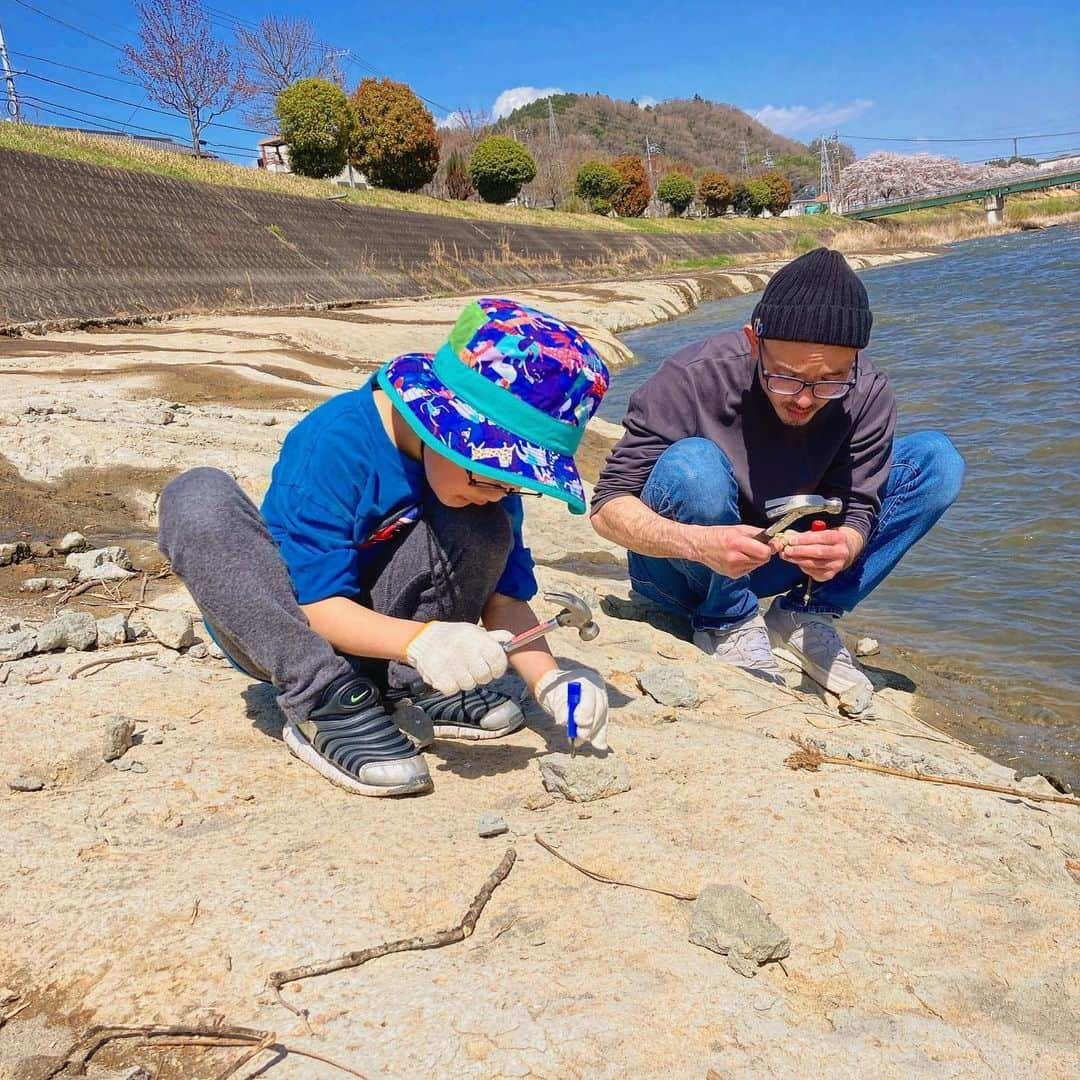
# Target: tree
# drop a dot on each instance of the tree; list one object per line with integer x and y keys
{"x": 758, "y": 196}
{"x": 459, "y": 183}
{"x": 677, "y": 190}
{"x": 317, "y": 122}
{"x": 633, "y": 194}
{"x": 181, "y": 65}
{"x": 280, "y": 52}
{"x": 780, "y": 191}
{"x": 715, "y": 192}
{"x": 596, "y": 182}
{"x": 396, "y": 144}
{"x": 499, "y": 166}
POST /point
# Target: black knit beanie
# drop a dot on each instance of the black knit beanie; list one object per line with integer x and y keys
{"x": 815, "y": 298}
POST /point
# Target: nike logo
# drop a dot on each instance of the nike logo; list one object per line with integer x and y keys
{"x": 355, "y": 699}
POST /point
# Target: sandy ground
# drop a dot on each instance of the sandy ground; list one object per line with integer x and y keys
{"x": 933, "y": 929}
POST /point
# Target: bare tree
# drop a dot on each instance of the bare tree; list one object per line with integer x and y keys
{"x": 279, "y": 53}
{"x": 181, "y": 65}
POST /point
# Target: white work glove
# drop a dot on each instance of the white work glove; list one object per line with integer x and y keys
{"x": 590, "y": 715}
{"x": 456, "y": 656}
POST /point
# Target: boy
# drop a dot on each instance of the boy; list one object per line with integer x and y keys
{"x": 391, "y": 527}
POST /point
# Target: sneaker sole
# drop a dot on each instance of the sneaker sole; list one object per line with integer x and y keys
{"x": 814, "y": 671}
{"x": 508, "y": 716}
{"x": 300, "y": 747}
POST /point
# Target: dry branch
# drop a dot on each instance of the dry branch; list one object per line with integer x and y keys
{"x": 811, "y": 758}
{"x": 106, "y": 660}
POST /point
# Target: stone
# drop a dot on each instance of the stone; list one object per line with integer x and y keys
{"x": 536, "y": 801}
{"x": 112, "y": 630}
{"x": 867, "y": 646}
{"x": 160, "y": 417}
{"x": 1036, "y": 784}
{"x": 72, "y": 630}
{"x": 73, "y": 541}
{"x": 88, "y": 563}
{"x": 26, "y": 782}
{"x": 107, "y": 572}
{"x": 41, "y": 550}
{"x": 43, "y": 584}
{"x": 855, "y": 700}
{"x": 119, "y": 738}
{"x": 491, "y": 824}
{"x": 173, "y": 629}
{"x": 586, "y": 777}
{"x": 13, "y": 553}
{"x": 198, "y": 651}
{"x": 729, "y": 921}
{"x": 17, "y": 644}
{"x": 668, "y": 685}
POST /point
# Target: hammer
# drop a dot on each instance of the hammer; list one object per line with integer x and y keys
{"x": 782, "y": 512}
{"x": 575, "y": 612}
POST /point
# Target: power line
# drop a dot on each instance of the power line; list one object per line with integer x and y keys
{"x": 71, "y": 67}
{"x": 981, "y": 139}
{"x": 70, "y": 26}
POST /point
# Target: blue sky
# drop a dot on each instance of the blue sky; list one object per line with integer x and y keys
{"x": 964, "y": 70}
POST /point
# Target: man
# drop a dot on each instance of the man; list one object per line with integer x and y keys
{"x": 392, "y": 526}
{"x": 788, "y": 405}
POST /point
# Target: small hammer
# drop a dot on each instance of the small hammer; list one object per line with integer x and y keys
{"x": 782, "y": 512}
{"x": 575, "y": 612}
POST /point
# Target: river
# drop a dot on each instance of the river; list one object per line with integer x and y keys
{"x": 982, "y": 343}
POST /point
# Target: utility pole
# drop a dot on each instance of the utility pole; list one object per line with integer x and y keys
{"x": 1016, "y": 142}
{"x": 9, "y": 79}
{"x": 650, "y": 149}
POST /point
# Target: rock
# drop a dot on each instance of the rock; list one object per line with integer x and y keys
{"x": 13, "y": 553}
{"x": 173, "y": 629}
{"x": 536, "y": 801}
{"x": 668, "y": 685}
{"x": 119, "y": 737}
{"x": 215, "y": 650}
{"x": 40, "y": 550}
{"x": 160, "y": 417}
{"x": 107, "y": 572}
{"x": 491, "y": 824}
{"x": 729, "y": 921}
{"x": 43, "y": 584}
{"x": 26, "y": 782}
{"x": 73, "y": 541}
{"x": 72, "y": 630}
{"x": 584, "y": 778}
{"x": 112, "y": 630}
{"x": 856, "y": 699}
{"x": 867, "y": 646}
{"x": 17, "y": 644}
{"x": 138, "y": 767}
{"x": 89, "y": 562}
{"x": 199, "y": 651}
{"x": 1036, "y": 784}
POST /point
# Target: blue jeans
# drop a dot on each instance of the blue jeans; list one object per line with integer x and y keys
{"x": 692, "y": 482}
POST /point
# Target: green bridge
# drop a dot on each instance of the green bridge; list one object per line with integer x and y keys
{"x": 992, "y": 195}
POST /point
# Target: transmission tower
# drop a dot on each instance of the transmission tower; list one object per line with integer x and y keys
{"x": 744, "y": 152}
{"x": 555, "y": 153}
{"x": 9, "y": 79}
{"x": 828, "y": 153}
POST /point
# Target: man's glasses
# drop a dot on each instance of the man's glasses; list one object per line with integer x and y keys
{"x": 789, "y": 386}
{"x": 504, "y": 489}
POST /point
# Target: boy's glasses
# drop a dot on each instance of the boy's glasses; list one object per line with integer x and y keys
{"x": 491, "y": 485}
{"x": 789, "y": 385}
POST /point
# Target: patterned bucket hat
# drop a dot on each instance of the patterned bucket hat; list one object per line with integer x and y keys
{"x": 508, "y": 396}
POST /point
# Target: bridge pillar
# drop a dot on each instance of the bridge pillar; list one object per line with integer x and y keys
{"x": 994, "y": 205}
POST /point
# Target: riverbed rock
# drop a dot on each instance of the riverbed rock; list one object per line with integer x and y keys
{"x": 16, "y": 644}
{"x": 855, "y": 700}
{"x": 13, "y": 553}
{"x": 112, "y": 630}
{"x": 43, "y": 584}
{"x": 867, "y": 646}
{"x": 72, "y": 630}
{"x": 491, "y": 824}
{"x": 89, "y": 563}
{"x": 73, "y": 541}
{"x": 668, "y": 685}
{"x": 585, "y": 777}
{"x": 729, "y": 921}
{"x": 119, "y": 738}
{"x": 173, "y": 629}
{"x": 26, "y": 782}
{"x": 40, "y": 550}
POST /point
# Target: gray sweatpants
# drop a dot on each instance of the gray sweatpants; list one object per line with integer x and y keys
{"x": 444, "y": 567}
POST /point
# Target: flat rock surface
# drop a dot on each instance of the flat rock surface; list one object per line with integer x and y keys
{"x": 933, "y": 930}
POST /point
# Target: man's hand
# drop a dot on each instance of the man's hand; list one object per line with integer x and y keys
{"x": 822, "y": 555}
{"x": 732, "y": 550}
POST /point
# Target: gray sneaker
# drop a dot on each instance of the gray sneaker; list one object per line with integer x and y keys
{"x": 811, "y": 642}
{"x": 746, "y": 645}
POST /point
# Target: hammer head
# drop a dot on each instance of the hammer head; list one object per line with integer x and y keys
{"x": 576, "y": 613}
{"x": 804, "y": 504}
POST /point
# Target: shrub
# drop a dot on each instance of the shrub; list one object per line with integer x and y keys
{"x": 677, "y": 190}
{"x": 499, "y": 166}
{"x": 317, "y": 122}
{"x": 780, "y": 193}
{"x": 759, "y": 195}
{"x": 396, "y": 143}
{"x": 596, "y": 182}
{"x": 459, "y": 183}
{"x": 633, "y": 194}
{"x": 715, "y": 192}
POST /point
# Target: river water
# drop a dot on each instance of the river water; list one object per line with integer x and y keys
{"x": 982, "y": 343}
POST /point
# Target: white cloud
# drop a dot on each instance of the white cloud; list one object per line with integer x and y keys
{"x": 645, "y": 101}
{"x": 793, "y": 119}
{"x": 452, "y": 120}
{"x": 514, "y": 98}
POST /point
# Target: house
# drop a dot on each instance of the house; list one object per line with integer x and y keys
{"x": 274, "y": 157}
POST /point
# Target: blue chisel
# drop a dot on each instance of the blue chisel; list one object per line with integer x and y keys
{"x": 573, "y": 700}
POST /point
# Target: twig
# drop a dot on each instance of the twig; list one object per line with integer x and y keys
{"x": 810, "y": 758}
{"x": 14, "y": 1012}
{"x": 142, "y": 589}
{"x": 609, "y": 880}
{"x": 106, "y": 660}
{"x": 451, "y": 936}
